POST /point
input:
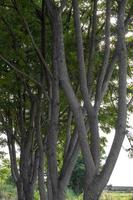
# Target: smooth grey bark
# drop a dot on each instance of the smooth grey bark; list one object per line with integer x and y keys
{"x": 54, "y": 125}
{"x": 64, "y": 80}
{"x": 68, "y": 133}
{"x": 111, "y": 64}
{"x": 92, "y": 47}
{"x": 92, "y": 115}
{"x": 41, "y": 153}
{"x": 74, "y": 104}
{"x": 49, "y": 187}
{"x": 20, "y": 193}
{"x": 96, "y": 183}
{"x": 41, "y": 181}
{"x": 100, "y": 181}
{"x": 106, "y": 55}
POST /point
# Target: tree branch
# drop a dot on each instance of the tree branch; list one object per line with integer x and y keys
{"x": 110, "y": 67}
{"x": 106, "y": 55}
{"x": 72, "y": 99}
{"x": 63, "y": 4}
{"x": 80, "y": 56}
{"x": 39, "y": 54}
{"x": 122, "y": 106}
{"x": 92, "y": 46}
{"x": 19, "y": 72}
{"x": 83, "y": 85}
{"x": 130, "y": 103}
{"x": 51, "y": 6}
{"x": 68, "y": 132}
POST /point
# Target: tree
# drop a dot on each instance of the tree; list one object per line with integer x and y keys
{"x": 51, "y": 114}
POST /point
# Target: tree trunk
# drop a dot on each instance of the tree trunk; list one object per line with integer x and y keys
{"x": 28, "y": 192}
{"x": 41, "y": 181}
{"x": 25, "y": 192}
{"x": 20, "y": 192}
{"x": 49, "y": 186}
{"x": 91, "y": 194}
{"x": 88, "y": 197}
{"x": 61, "y": 194}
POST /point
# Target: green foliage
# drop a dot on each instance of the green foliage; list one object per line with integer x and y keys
{"x": 36, "y": 195}
{"x": 7, "y": 187}
{"x": 8, "y": 192}
{"x": 70, "y": 195}
{"x": 77, "y": 178}
{"x": 5, "y": 173}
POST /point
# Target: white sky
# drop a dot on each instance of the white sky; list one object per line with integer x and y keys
{"x": 123, "y": 172}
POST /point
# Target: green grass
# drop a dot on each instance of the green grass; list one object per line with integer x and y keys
{"x": 105, "y": 196}
{"x": 117, "y": 196}
{"x": 7, "y": 192}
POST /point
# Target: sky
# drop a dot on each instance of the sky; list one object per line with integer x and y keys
{"x": 123, "y": 172}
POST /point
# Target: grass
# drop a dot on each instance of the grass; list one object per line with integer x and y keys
{"x": 117, "y": 196}
{"x": 7, "y": 192}
{"x": 105, "y": 196}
